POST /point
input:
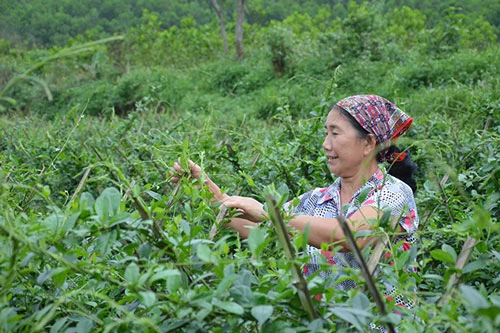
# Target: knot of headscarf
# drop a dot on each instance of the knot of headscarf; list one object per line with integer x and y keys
{"x": 377, "y": 116}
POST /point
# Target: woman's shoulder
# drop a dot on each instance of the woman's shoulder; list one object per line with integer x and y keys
{"x": 394, "y": 191}
{"x": 398, "y": 184}
{"x": 319, "y": 194}
{"x": 313, "y": 198}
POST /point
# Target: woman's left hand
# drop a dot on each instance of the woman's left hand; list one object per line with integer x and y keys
{"x": 250, "y": 209}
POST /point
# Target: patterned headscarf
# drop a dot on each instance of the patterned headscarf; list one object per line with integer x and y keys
{"x": 378, "y": 116}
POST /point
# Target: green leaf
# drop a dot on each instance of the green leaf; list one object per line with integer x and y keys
{"x": 84, "y": 325}
{"x": 173, "y": 283}
{"x": 316, "y": 325}
{"x": 186, "y": 227}
{"x": 482, "y": 247}
{"x": 474, "y": 266}
{"x": 356, "y": 317}
{"x": 154, "y": 195}
{"x": 132, "y": 273}
{"x": 43, "y": 312}
{"x": 104, "y": 243}
{"x": 148, "y": 298}
{"x": 402, "y": 259}
{"x": 262, "y": 313}
{"x": 473, "y": 297}
{"x": 305, "y": 236}
{"x": 493, "y": 312}
{"x": 108, "y": 203}
{"x": 361, "y": 301}
{"x": 164, "y": 275}
{"x": 58, "y": 325}
{"x": 205, "y": 254}
{"x": 450, "y": 250}
{"x": 173, "y": 324}
{"x": 119, "y": 218}
{"x": 364, "y": 194}
{"x": 442, "y": 256}
{"x": 70, "y": 222}
{"x": 53, "y": 222}
{"x": 60, "y": 277}
{"x": 9, "y": 100}
{"x": 86, "y": 201}
{"x": 225, "y": 283}
{"x": 230, "y": 307}
{"x": 255, "y": 240}
{"x": 102, "y": 208}
{"x": 384, "y": 220}
{"x": 482, "y": 218}
{"x": 433, "y": 277}
{"x": 203, "y": 313}
{"x": 144, "y": 250}
{"x": 363, "y": 233}
{"x": 44, "y": 276}
{"x": 248, "y": 179}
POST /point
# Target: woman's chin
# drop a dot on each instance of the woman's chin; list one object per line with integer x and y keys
{"x": 334, "y": 170}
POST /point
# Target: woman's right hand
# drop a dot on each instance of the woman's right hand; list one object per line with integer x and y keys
{"x": 195, "y": 172}
{"x": 249, "y": 208}
{"x": 179, "y": 171}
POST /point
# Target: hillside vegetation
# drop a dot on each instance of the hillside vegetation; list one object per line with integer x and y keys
{"x": 48, "y": 23}
{"x": 94, "y": 237}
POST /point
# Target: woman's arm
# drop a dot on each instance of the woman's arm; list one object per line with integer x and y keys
{"x": 196, "y": 172}
{"x": 242, "y": 226}
{"x": 321, "y": 230}
{"x": 239, "y": 224}
{"x": 324, "y": 230}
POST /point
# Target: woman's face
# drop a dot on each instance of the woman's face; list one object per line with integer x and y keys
{"x": 347, "y": 153}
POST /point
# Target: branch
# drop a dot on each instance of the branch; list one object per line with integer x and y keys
{"x": 364, "y": 269}
{"x": 80, "y": 186}
{"x": 379, "y": 248}
{"x": 298, "y": 279}
{"x": 462, "y": 260}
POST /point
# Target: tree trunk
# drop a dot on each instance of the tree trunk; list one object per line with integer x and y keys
{"x": 218, "y": 11}
{"x": 239, "y": 29}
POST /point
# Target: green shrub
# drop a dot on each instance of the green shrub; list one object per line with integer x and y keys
{"x": 280, "y": 42}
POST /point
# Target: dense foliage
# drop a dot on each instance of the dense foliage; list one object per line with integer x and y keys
{"x": 47, "y": 23}
{"x": 94, "y": 237}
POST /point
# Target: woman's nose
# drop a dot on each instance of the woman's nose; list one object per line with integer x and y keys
{"x": 326, "y": 144}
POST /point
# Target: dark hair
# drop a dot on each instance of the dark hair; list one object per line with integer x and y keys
{"x": 403, "y": 170}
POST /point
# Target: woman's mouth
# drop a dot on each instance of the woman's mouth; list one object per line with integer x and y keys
{"x": 332, "y": 158}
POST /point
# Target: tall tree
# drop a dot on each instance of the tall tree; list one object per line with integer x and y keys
{"x": 222, "y": 24}
{"x": 239, "y": 29}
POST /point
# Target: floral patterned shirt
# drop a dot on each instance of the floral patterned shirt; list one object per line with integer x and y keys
{"x": 381, "y": 191}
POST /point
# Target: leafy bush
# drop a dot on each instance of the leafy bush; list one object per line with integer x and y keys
{"x": 94, "y": 237}
{"x": 280, "y": 43}
{"x": 132, "y": 253}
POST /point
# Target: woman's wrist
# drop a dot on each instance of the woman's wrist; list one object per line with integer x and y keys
{"x": 218, "y": 195}
{"x": 221, "y": 197}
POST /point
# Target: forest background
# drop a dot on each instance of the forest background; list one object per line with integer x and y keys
{"x": 98, "y": 98}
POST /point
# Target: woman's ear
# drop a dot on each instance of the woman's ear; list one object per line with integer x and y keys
{"x": 370, "y": 144}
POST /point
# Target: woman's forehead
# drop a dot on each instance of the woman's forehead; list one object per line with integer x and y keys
{"x": 336, "y": 119}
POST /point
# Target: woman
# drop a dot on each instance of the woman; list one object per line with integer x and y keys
{"x": 359, "y": 134}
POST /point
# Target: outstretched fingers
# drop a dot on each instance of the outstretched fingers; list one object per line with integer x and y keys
{"x": 250, "y": 208}
{"x": 179, "y": 172}
{"x": 194, "y": 169}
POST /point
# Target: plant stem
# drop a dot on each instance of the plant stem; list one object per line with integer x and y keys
{"x": 297, "y": 278}
{"x": 364, "y": 269}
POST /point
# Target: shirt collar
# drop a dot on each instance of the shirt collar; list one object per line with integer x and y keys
{"x": 333, "y": 190}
